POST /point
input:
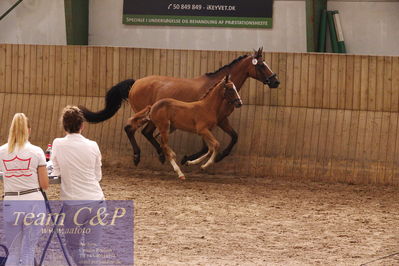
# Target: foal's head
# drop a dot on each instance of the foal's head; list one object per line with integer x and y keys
{"x": 230, "y": 93}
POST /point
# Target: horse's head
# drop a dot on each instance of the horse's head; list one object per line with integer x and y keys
{"x": 261, "y": 71}
{"x": 230, "y": 93}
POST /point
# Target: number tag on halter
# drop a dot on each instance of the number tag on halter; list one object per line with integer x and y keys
{"x": 254, "y": 61}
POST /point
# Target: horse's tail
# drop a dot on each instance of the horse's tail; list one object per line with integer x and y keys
{"x": 113, "y": 101}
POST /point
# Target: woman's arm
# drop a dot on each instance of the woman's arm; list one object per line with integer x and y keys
{"x": 53, "y": 159}
{"x": 97, "y": 167}
{"x": 42, "y": 170}
{"x": 43, "y": 177}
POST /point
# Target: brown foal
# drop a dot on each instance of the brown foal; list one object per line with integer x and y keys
{"x": 198, "y": 117}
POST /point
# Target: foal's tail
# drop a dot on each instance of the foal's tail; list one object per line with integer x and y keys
{"x": 113, "y": 101}
{"x": 141, "y": 118}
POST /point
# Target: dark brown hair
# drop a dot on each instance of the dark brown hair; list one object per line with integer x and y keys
{"x": 72, "y": 119}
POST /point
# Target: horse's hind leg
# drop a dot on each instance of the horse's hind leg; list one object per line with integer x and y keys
{"x": 170, "y": 154}
{"x": 130, "y": 130}
{"x": 134, "y": 123}
{"x": 148, "y": 133}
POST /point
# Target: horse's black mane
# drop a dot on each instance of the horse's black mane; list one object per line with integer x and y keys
{"x": 227, "y": 65}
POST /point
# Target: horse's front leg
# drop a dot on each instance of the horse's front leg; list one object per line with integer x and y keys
{"x": 226, "y": 127}
{"x": 148, "y": 133}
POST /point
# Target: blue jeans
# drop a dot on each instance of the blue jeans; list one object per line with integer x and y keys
{"x": 83, "y": 238}
{"x": 22, "y": 235}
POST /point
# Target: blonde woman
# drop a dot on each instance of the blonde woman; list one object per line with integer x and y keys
{"x": 24, "y": 168}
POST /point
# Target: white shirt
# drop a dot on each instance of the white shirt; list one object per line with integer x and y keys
{"x": 78, "y": 161}
{"x": 20, "y": 167}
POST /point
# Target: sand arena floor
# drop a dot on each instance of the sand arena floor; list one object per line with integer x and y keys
{"x": 226, "y": 220}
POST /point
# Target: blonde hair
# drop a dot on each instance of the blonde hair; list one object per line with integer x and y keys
{"x": 19, "y": 132}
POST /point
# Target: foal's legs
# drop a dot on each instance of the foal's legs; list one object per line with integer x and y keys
{"x": 170, "y": 153}
{"x": 194, "y": 156}
{"x": 148, "y": 133}
{"x": 200, "y": 159}
{"x": 130, "y": 130}
{"x": 213, "y": 145}
{"x": 226, "y": 127}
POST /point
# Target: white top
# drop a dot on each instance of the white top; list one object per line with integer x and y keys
{"x": 20, "y": 167}
{"x": 78, "y": 161}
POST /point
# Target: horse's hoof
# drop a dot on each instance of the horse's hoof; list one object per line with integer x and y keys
{"x": 184, "y": 160}
{"x": 161, "y": 158}
{"x": 182, "y": 177}
{"x": 136, "y": 159}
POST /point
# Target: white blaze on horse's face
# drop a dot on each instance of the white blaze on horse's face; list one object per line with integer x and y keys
{"x": 267, "y": 67}
{"x": 255, "y": 62}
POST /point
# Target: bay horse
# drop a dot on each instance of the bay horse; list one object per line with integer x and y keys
{"x": 146, "y": 91}
{"x": 198, "y": 117}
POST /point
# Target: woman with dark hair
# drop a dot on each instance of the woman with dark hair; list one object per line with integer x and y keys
{"x": 78, "y": 161}
{"x": 25, "y": 173}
